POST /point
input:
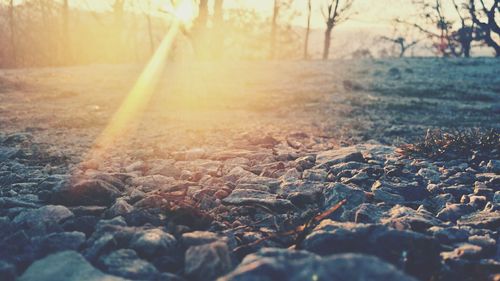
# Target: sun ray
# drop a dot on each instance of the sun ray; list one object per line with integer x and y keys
{"x": 138, "y": 98}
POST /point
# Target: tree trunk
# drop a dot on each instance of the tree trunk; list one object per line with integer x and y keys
{"x": 306, "y": 41}
{"x": 328, "y": 39}
{"x": 66, "y": 36}
{"x": 273, "y": 30}
{"x": 12, "y": 32}
{"x": 218, "y": 36}
{"x": 199, "y": 30}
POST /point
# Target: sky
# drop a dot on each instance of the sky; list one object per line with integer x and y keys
{"x": 368, "y": 12}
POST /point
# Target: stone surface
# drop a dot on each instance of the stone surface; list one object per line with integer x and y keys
{"x": 153, "y": 242}
{"x": 65, "y": 266}
{"x": 207, "y": 262}
{"x": 85, "y": 192}
{"x": 281, "y": 264}
{"x": 125, "y": 263}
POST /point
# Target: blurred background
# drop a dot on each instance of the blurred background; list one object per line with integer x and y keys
{"x": 37, "y": 33}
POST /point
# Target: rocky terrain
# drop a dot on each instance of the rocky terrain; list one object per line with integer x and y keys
{"x": 250, "y": 171}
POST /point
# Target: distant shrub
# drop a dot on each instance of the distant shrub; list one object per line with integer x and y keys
{"x": 474, "y": 145}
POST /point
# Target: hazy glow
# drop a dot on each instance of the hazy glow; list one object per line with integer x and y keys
{"x": 139, "y": 97}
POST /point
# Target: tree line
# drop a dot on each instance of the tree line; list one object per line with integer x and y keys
{"x": 50, "y": 32}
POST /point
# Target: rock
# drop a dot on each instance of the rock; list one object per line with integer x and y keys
{"x": 138, "y": 166}
{"x": 154, "y": 182}
{"x": 336, "y": 192}
{"x": 86, "y": 192}
{"x": 452, "y": 212}
{"x": 120, "y": 208}
{"x": 197, "y": 238}
{"x": 458, "y": 190}
{"x": 449, "y": 235}
{"x": 207, "y": 262}
{"x": 433, "y": 176}
{"x": 410, "y": 191}
{"x": 305, "y": 162}
{"x": 483, "y": 219}
{"x": 65, "y": 266}
{"x": 401, "y": 217}
{"x": 7, "y": 153}
{"x": 381, "y": 195}
{"x": 152, "y": 202}
{"x": 314, "y": 175}
{"x": 369, "y": 213}
{"x": 85, "y": 224}
{"x": 237, "y": 173}
{"x": 165, "y": 168}
{"x": 153, "y": 242}
{"x": 42, "y": 220}
{"x": 464, "y": 251}
{"x": 421, "y": 251}
{"x": 7, "y": 271}
{"x": 259, "y": 187}
{"x": 342, "y": 155}
{"x": 493, "y": 166}
{"x": 496, "y": 198}
{"x": 125, "y": 263}
{"x": 249, "y": 197}
{"x": 281, "y": 264}
{"x": 61, "y": 241}
{"x": 438, "y": 202}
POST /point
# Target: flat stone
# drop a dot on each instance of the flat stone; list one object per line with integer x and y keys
{"x": 153, "y": 242}
{"x": 483, "y": 219}
{"x": 86, "y": 192}
{"x": 281, "y": 264}
{"x": 249, "y": 197}
{"x": 125, "y": 263}
{"x": 38, "y": 221}
{"x": 208, "y": 261}
{"x": 65, "y": 266}
{"x": 335, "y": 156}
{"x": 389, "y": 244}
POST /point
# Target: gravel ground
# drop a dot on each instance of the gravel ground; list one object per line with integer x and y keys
{"x": 249, "y": 171}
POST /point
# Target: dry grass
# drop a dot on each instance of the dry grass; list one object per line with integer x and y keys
{"x": 474, "y": 145}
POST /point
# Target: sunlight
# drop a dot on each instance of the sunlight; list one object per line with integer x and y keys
{"x": 139, "y": 97}
{"x": 185, "y": 11}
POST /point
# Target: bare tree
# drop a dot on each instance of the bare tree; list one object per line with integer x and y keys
{"x": 218, "y": 26}
{"x": 334, "y": 14}
{"x": 464, "y": 35}
{"x": 401, "y": 43}
{"x": 66, "y": 37}
{"x": 484, "y": 18}
{"x": 12, "y": 31}
{"x": 308, "y": 29}
{"x": 274, "y": 26}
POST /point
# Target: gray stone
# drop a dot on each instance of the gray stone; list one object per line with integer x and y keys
{"x": 342, "y": 155}
{"x": 281, "y": 264}
{"x": 120, "y": 208}
{"x": 421, "y": 251}
{"x": 483, "y": 219}
{"x": 249, "y": 197}
{"x": 153, "y": 242}
{"x": 65, "y": 266}
{"x": 125, "y": 263}
{"x": 493, "y": 166}
{"x": 38, "y": 221}
{"x": 452, "y": 212}
{"x": 314, "y": 175}
{"x": 207, "y": 262}
{"x": 197, "y": 238}
{"x": 336, "y": 192}
{"x": 86, "y": 192}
